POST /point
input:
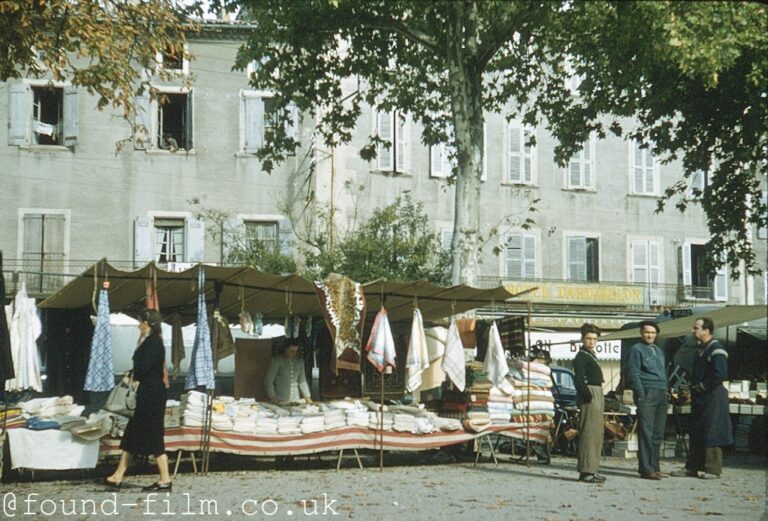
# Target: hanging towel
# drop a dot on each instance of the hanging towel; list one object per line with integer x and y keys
{"x": 6, "y": 358}
{"x": 200, "y": 371}
{"x": 495, "y": 365}
{"x": 381, "y": 345}
{"x": 101, "y": 370}
{"x": 177, "y": 344}
{"x": 24, "y": 328}
{"x": 453, "y": 360}
{"x": 418, "y": 356}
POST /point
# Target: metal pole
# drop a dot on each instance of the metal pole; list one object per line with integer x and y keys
{"x": 381, "y": 426}
{"x": 528, "y": 406}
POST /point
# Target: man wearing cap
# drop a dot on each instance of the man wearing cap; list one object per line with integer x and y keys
{"x": 647, "y": 377}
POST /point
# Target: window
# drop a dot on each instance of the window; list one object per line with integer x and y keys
{"x": 165, "y": 123}
{"x": 446, "y": 239}
{"x": 520, "y": 256}
{"x": 645, "y": 267}
{"x": 696, "y": 184}
{"x": 258, "y": 118}
{"x": 44, "y": 248}
{"x": 521, "y": 154}
{"x": 583, "y": 259}
{"x": 168, "y": 239}
{"x": 644, "y": 169}
{"x": 697, "y": 281}
{"x": 392, "y": 129}
{"x": 264, "y": 233}
{"x": 443, "y": 160}
{"x": 573, "y": 79}
{"x": 174, "y": 60}
{"x": 762, "y": 231}
{"x": 42, "y": 114}
{"x": 580, "y": 173}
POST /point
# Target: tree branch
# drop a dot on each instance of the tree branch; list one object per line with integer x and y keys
{"x": 389, "y": 24}
{"x": 498, "y": 34}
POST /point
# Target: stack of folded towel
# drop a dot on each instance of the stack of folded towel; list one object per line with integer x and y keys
{"x": 314, "y": 423}
{"x": 374, "y": 421}
{"x": 335, "y": 418}
{"x": 289, "y": 425}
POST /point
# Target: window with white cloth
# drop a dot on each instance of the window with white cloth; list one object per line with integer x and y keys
{"x": 41, "y": 112}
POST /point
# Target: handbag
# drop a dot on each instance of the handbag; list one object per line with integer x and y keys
{"x": 122, "y": 399}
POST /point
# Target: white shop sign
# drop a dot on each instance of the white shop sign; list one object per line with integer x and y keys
{"x": 564, "y": 346}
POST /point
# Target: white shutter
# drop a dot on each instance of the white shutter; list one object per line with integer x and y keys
{"x": 515, "y": 151}
{"x": 484, "y": 175}
{"x": 574, "y": 172}
{"x": 653, "y": 262}
{"x": 19, "y": 113}
{"x": 686, "y": 264}
{"x": 71, "y": 116}
{"x": 588, "y": 163}
{"x": 577, "y": 258}
{"x": 720, "y": 290}
{"x": 384, "y": 129}
{"x": 253, "y": 131}
{"x": 195, "y": 237}
{"x": 143, "y": 241}
{"x": 638, "y": 168}
{"x": 529, "y": 256}
{"x": 401, "y": 145}
{"x": 436, "y": 162}
{"x": 650, "y": 173}
{"x": 639, "y": 261}
{"x": 189, "y": 119}
{"x": 142, "y": 137}
{"x": 285, "y": 237}
{"x": 292, "y": 125}
{"x": 514, "y": 256}
{"x": 528, "y": 157}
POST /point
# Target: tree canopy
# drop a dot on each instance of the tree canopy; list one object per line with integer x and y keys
{"x": 103, "y": 46}
{"x": 689, "y": 75}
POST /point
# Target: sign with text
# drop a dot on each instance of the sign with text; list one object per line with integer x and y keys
{"x": 564, "y": 346}
{"x": 570, "y": 293}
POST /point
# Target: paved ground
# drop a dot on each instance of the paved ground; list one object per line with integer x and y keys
{"x": 412, "y": 487}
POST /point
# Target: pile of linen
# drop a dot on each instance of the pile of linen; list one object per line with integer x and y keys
{"x": 193, "y": 406}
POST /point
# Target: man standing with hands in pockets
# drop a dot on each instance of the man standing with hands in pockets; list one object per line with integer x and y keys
{"x": 647, "y": 377}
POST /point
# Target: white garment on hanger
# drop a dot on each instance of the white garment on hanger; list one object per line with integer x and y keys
{"x": 453, "y": 360}
{"x": 24, "y": 327}
{"x": 418, "y": 357}
{"x": 495, "y": 364}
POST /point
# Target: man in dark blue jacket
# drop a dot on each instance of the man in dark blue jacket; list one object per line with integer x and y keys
{"x": 647, "y": 377}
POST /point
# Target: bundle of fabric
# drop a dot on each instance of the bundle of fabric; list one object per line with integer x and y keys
{"x": 312, "y": 423}
{"x": 50, "y": 407}
{"x": 221, "y": 421}
{"x": 520, "y": 379}
{"x": 533, "y": 417}
{"x": 446, "y": 424}
{"x": 534, "y": 372}
{"x": 335, "y": 418}
{"x": 12, "y": 418}
{"x": 374, "y": 421}
{"x": 415, "y": 425}
{"x": 193, "y": 405}
{"x": 357, "y": 418}
{"x": 289, "y": 425}
{"x": 500, "y": 412}
{"x": 305, "y": 410}
{"x": 265, "y": 424}
{"x": 244, "y": 420}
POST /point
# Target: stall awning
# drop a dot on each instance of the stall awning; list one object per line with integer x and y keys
{"x": 723, "y": 317}
{"x": 274, "y": 296}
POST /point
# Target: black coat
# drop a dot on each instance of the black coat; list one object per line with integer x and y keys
{"x": 145, "y": 431}
{"x": 711, "y": 419}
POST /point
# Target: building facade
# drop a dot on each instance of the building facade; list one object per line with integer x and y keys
{"x": 80, "y": 184}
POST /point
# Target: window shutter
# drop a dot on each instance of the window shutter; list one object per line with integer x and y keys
{"x": 285, "y": 236}
{"x": 142, "y": 137}
{"x": 529, "y": 256}
{"x": 515, "y": 153}
{"x": 528, "y": 156}
{"x": 685, "y": 250}
{"x": 574, "y": 173}
{"x": 639, "y": 262}
{"x": 401, "y": 145}
{"x": 383, "y": 154}
{"x": 71, "y": 116}
{"x": 292, "y": 125}
{"x": 577, "y": 258}
{"x": 588, "y": 162}
{"x": 638, "y": 168}
{"x": 195, "y": 236}
{"x": 253, "y": 112}
{"x": 484, "y": 176}
{"x": 653, "y": 262}
{"x": 143, "y": 241}
{"x": 189, "y": 119}
{"x": 720, "y": 289}
{"x": 436, "y": 160}
{"x": 650, "y": 173}
{"x": 19, "y": 113}
{"x": 514, "y": 256}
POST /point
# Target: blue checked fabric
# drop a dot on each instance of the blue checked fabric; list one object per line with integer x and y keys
{"x": 100, "y": 376}
{"x": 200, "y": 371}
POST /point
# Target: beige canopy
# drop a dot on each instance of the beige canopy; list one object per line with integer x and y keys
{"x": 723, "y": 317}
{"x": 274, "y": 296}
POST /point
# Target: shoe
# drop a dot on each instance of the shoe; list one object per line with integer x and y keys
{"x": 662, "y": 474}
{"x": 653, "y": 476}
{"x": 707, "y": 475}
{"x": 110, "y": 484}
{"x": 157, "y": 487}
{"x": 591, "y": 478}
{"x": 600, "y": 478}
{"x": 684, "y": 473}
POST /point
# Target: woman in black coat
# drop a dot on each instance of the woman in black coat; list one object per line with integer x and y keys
{"x": 145, "y": 431}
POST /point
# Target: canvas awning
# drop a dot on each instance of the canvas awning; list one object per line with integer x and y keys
{"x": 274, "y": 296}
{"x": 723, "y": 317}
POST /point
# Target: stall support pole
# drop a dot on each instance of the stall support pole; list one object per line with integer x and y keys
{"x": 528, "y": 403}
{"x": 381, "y": 425}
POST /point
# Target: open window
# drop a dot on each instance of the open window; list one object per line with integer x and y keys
{"x": 174, "y": 60}
{"x": 580, "y": 173}
{"x": 258, "y": 117}
{"x": 698, "y": 282}
{"x": 168, "y": 239}
{"x": 393, "y": 130}
{"x": 43, "y": 114}
{"x": 165, "y": 123}
{"x": 583, "y": 254}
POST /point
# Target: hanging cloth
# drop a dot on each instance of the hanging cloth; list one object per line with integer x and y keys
{"x": 177, "y": 344}
{"x": 381, "y": 344}
{"x": 418, "y": 357}
{"x": 453, "y": 360}
{"x": 200, "y": 373}
{"x": 343, "y": 305}
{"x": 6, "y": 358}
{"x": 24, "y": 328}
{"x": 495, "y": 364}
{"x": 101, "y": 370}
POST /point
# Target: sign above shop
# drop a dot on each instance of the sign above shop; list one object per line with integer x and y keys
{"x": 570, "y": 293}
{"x": 564, "y": 346}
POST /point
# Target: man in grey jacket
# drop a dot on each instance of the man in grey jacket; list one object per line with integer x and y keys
{"x": 647, "y": 377}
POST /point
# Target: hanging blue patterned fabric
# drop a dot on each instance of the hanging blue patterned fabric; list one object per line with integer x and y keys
{"x": 200, "y": 371}
{"x": 101, "y": 370}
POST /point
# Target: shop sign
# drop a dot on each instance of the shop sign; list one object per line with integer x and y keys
{"x": 564, "y": 346}
{"x": 569, "y": 293}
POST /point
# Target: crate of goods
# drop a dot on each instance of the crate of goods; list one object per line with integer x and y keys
{"x": 733, "y": 408}
{"x": 758, "y": 410}
{"x": 172, "y": 417}
{"x": 745, "y": 409}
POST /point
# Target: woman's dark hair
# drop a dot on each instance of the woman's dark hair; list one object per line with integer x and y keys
{"x": 154, "y": 319}
{"x": 650, "y": 323}
{"x": 708, "y": 324}
{"x": 589, "y": 328}
{"x": 288, "y": 342}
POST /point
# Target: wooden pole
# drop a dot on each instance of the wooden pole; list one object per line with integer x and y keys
{"x": 528, "y": 403}
{"x": 381, "y": 425}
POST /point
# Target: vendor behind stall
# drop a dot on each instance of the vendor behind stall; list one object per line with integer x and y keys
{"x": 286, "y": 378}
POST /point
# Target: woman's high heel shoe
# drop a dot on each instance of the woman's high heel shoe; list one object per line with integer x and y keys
{"x": 157, "y": 487}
